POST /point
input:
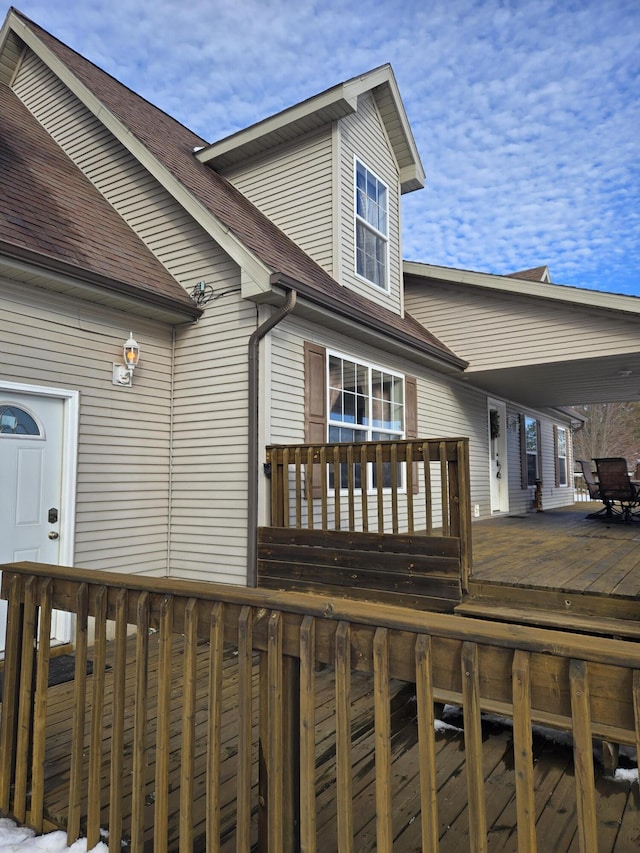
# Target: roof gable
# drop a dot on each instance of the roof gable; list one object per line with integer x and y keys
{"x": 324, "y": 108}
{"x": 52, "y": 215}
{"x": 165, "y": 147}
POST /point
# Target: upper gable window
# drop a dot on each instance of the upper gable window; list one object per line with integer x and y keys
{"x": 372, "y": 229}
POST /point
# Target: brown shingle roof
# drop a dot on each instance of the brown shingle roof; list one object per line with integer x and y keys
{"x": 52, "y": 214}
{"x": 172, "y": 145}
{"x": 535, "y": 274}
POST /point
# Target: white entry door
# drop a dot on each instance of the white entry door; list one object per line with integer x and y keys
{"x": 499, "y": 483}
{"x": 31, "y": 444}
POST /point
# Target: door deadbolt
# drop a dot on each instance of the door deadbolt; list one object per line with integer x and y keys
{"x": 52, "y": 515}
{"x": 53, "y": 534}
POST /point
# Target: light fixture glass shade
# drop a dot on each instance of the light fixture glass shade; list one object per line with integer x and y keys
{"x": 131, "y": 352}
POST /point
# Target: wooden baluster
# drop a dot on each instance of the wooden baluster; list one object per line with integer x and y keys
{"x": 245, "y": 685}
{"x": 428, "y": 496}
{"x": 117, "y": 736}
{"x": 523, "y": 752}
{"x": 408, "y": 467}
{"x": 337, "y": 487}
{"x": 363, "y": 488}
{"x": 343, "y": 737}
{"x": 214, "y": 746}
{"x": 275, "y": 723}
{"x": 94, "y": 800}
{"x": 379, "y": 487}
{"x": 473, "y": 748}
{"x": 307, "y": 735}
{"x": 297, "y": 461}
{"x": 25, "y": 707}
{"x": 165, "y": 650}
{"x": 583, "y": 758}
{"x": 444, "y": 489}
{"x": 79, "y": 706}
{"x": 350, "y": 488}
{"x": 324, "y": 488}
{"x": 10, "y": 687}
{"x": 309, "y": 481}
{"x": 286, "y": 509}
{"x": 394, "y": 488}
{"x": 426, "y": 745}
{"x": 187, "y": 746}
{"x": 139, "y": 722}
{"x": 382, "y": 712}
{"x": 40, "y": 715}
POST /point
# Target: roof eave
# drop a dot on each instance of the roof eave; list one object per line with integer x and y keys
{"x": 447, "y": 361}
{"x": 174, "y": 310}
{"x": 322, "y": 109}
{"x": 522, "y": 287}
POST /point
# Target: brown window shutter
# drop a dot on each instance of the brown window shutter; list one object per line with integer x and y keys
{"x": 523, "y": 452}
{"x": 539, "y": 446}
{"x": 315, "y": 402}
{"x": 555, "y": 455}
{"x": 411, "y": 420}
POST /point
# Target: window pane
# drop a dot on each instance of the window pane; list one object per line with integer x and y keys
{"x": 562, "y": 443}
{"x": 531, "y": 435}
{"x": 15, "y": 421}
{"x": 371, "y": 208}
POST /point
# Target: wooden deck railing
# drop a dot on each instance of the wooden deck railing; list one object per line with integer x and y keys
{"x": 122, "y": 727}
{"x": 393, "y": 516}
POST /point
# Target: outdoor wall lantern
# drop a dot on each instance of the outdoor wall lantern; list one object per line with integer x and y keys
{"x": 123, "y": 373}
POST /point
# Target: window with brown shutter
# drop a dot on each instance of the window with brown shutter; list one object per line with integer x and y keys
{"x": 367, "y": 402}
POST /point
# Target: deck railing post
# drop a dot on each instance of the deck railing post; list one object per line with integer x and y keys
{"x": 11, "y": 681}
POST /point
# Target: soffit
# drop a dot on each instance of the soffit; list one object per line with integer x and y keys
{"x": 610, "y": 379}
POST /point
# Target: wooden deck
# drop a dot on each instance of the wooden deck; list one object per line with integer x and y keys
{"x": 557, "y": 568}
{"x": 618, "y": 819}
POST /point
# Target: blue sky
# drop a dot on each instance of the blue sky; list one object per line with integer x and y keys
{"x": 526, "y": 113}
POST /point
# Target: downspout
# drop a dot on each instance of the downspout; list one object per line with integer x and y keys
{"x": 252, "y": 455}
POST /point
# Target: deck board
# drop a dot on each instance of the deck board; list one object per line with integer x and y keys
{"x": 558, "y": 560}
{"x": 618, "y": 804}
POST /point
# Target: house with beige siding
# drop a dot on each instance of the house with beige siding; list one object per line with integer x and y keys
{"x": 261, "y": 277}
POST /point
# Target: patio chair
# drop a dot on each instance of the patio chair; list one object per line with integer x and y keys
{"x": 594, "y": 490}
{"x": 620, "y": 496}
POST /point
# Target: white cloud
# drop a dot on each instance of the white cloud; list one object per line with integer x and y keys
{"x": 525, "y": 111}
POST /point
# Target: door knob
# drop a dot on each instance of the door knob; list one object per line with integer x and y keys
{"x": 53, "y": 534}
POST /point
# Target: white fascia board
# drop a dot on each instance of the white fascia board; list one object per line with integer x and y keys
{"x": 258, "y": 271}
{"x": 333, "y": 101}
{"x": 340, "y": 99}
{"x": 520, "y": 287}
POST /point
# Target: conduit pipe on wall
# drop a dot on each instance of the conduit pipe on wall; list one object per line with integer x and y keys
{"x": 253, "y": 449}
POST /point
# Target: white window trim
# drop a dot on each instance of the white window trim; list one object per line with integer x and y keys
{"x": 560, "y": 429}
{"x": 537, "y": 452}
{"x": 399, "y": 434}
{"x": 356, "y": 219}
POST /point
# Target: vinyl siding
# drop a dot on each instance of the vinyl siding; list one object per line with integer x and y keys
{"x": 445, "y": 409}
{"x": 209, "y": 497}
{"x": 124, "y": 438}
{"x": 293, "y": 186}
{"x": 208, "y": 501}
{"x": 9, "y": 58}
{"x": 538, "y": 331}
{"x": 520, "y": 500}
{"x": 362, "y": 135}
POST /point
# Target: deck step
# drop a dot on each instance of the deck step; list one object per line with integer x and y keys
{"x": 547, "y": 618}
